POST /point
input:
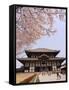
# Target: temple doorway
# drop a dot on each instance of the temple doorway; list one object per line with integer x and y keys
{"x": 44, "y": 69}
{"x": 37, "y": 69}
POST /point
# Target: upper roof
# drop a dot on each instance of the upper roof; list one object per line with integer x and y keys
{"x": 41, "y": 50}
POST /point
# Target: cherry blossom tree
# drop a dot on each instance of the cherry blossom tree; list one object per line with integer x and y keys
{"x": 32, "y": 23}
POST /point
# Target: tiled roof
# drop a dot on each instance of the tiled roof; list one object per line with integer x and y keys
{"x": 64, "y": 66}
{"x": 57, "y": 58}
{"x": 41, "y": 50}
{"x": 26, "y": 59}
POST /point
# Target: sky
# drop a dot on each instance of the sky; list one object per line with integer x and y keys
{"x": 55, "y": 42}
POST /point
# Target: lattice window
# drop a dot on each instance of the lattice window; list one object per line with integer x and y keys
{"x": 53, "y": 63}
{"x": 31, "y": 64}
{"x": 26, "y": 64}
{"x": 32, "y": 69}
{"x": 58, "y": 63}
{"x": 54, "y": 68}
{"x": 37, "y": 63}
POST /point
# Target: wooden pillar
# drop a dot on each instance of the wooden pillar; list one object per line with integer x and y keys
{"x": 29, "y": 66}
{"x": 56, "y": 65}
{"x": 24, "y": 66}
{"x": 45, "y": 65}
{"x": 40, "y": 66}
{"x": 51, "y": 65}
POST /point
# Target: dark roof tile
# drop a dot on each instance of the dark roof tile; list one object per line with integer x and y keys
{"x": 41, "y": 50}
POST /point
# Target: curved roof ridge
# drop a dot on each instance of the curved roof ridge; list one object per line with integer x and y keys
{"x": 41, "y": 50}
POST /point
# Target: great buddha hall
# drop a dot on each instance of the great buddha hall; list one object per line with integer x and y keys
{"x": 41, "y": 59}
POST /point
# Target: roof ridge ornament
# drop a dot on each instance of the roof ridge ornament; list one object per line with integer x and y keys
{"x": 43, "y": 56}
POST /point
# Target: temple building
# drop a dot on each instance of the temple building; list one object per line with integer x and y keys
{"x": 41, "y": 59}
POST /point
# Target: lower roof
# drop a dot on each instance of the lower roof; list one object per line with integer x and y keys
{"x": 36, "y": 59}
{"x": 64, "y": 66}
